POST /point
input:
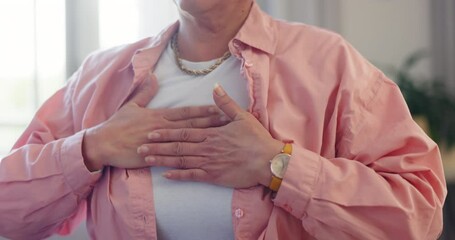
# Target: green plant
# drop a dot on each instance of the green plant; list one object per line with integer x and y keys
{"x": 429, "y": 98}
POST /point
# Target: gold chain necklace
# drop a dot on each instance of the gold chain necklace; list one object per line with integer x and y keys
{"x": 201, "y": 72}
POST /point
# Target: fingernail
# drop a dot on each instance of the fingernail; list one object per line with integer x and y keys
{"x": 150, "y": 160}
{"x": 166, "y": 175}
{"x": 219, "y": 90}
{"x": 153, "y": 135}
{"x": 143, "y": 149}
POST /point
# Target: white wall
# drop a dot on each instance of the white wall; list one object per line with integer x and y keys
{"x": 443, "y": 33}
{"x": 82, "y": 31}
{"x": 384, "y": 31}
{"x": 387, "y": 32}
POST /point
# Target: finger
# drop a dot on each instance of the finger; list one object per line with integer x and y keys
{"x": 143, "y": 93}
{"x": 204, "y": 122}
{"x": 171, "y": 149}
{"x": 195, "y": 175}
{"x": 178, "y": 135}
{"x": 183, "y": 113}
{"x": 182, "y": 162}
{"x": 226, "y": 104}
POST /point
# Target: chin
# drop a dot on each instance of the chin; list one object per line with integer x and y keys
{"x": 198, "y": 6}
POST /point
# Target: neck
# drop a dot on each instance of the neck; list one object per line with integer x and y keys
{"x": 204, "y": 35}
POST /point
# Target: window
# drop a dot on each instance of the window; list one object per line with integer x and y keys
{"x": 34, "y": 54}
{"x": 123, "y": 21}
{"x": 32, "y": 61}
{"x": 34, "y": 51}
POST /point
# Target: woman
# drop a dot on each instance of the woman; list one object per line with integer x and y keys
{"x": 307, "y": 141}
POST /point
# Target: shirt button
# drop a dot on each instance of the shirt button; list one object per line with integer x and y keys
{"x": 238, "y": 213}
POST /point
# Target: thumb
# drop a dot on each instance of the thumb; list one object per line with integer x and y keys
{"x": 143, "y": 93}
{"x": 226, "y": 104}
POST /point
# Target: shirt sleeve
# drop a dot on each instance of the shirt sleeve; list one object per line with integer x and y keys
{"x": 44, "y": 180}
{"x": 386, "y": 179}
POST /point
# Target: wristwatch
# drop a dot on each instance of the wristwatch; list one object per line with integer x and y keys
{"x": 278, "y": 166}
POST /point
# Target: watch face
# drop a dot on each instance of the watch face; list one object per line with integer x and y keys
{"x": 278, "y": 164}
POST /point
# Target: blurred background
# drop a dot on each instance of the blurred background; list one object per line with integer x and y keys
{"x": 42, "y": 42}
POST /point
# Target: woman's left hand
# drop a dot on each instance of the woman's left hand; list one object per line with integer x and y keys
{"x": 235, "y": 155}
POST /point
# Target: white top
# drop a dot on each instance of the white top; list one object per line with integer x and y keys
{"x": 193, "y": 210}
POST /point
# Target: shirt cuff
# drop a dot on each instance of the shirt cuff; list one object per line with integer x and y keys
{"x": 80, "y": 179}
{"x": 299, "y": 181}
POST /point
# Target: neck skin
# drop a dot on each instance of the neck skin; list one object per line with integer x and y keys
{"x": 204, "y": 34}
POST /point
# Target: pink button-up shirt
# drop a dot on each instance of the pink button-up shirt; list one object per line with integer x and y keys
{"x": 360, "y": 168}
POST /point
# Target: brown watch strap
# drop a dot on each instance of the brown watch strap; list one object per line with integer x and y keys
{"x": 275, "y": 183}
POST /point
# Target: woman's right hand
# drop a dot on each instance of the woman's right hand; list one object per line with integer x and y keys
{"x": 115, "y": 141}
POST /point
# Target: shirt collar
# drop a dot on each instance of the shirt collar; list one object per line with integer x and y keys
{"x": 258, "y": 31}
{"x": 146, "y": 57}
